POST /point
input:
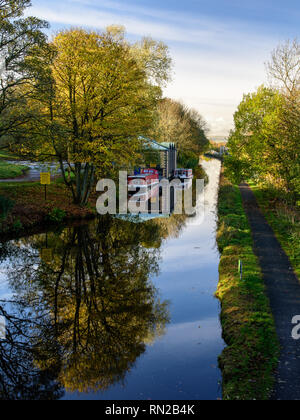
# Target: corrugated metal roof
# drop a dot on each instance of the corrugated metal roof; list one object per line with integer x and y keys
{"x": 154, "y": 144}
{"x": 168, "y": 144}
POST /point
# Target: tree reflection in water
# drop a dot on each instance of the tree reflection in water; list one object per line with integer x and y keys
{"x": 83, "y": 312}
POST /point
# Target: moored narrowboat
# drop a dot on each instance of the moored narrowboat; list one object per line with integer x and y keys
{"x": 147, "y": 178}
{"x": 183, "y": 174}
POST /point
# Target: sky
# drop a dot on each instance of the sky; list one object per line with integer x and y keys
{"x": 219, "y": 47}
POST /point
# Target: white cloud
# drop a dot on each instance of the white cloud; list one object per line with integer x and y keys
{"x": 101, "y": 19}
{"x": 215, "y": 85}
{"x": 215, "y": 63}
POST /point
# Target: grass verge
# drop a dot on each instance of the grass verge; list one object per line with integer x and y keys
{"x": 10, "y": 171}
{"x": 199, "y": 173}
{"x": 249, "y": 361}
{"x": 285, "y": 222}
{"x": 4, "y": 154}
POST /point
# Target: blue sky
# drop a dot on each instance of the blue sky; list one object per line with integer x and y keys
{"x": 219, "y": 47}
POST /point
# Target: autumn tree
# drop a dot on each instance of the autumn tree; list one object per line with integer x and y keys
{"x": 154, "y": 57}
{"x": 175, "y": 122}
{"x": 93, "y": 102}
{"x": 19, "y": 37}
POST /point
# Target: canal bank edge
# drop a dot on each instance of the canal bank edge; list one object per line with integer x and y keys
{"x": 27, "y": 211}
{"x": 249, "y": 361}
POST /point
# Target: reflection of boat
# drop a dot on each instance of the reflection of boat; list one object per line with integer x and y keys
{"x": 145, "y": 194}
{"x": 186, "y": 184}
{"x": 183, "y": 174}
{"x": 142, "y": 217}
{"x": 147, "y": 178}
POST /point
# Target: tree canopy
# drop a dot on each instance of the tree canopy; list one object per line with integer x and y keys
{"x": 174, "y": 122}
{"x": 19, "y": 38}
{"x": 265, "y": 142}
{"x": 94, "y": 97}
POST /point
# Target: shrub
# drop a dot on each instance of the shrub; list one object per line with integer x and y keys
{"x": 17, "y": 226}
{"x": 188, "y": 160}
{"x": 5, "y": 206}
{"x": 56, "y": 215}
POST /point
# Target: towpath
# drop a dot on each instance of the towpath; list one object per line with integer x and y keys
{"x": 283, "y": 289}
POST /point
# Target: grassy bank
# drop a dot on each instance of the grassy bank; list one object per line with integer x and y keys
{"x": 285, "y": 222}
{"x": 10, "y": 171}
{"x": 4, "y": 154}
{"x": 249, "y": 360}
{"x": 199, "y": 173}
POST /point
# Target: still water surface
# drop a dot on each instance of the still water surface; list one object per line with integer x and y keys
{"x": 114, "y": 310}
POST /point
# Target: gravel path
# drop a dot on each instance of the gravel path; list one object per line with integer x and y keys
{"x": 283, "y": 288}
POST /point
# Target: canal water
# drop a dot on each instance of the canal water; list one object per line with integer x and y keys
{"x": 114, "y": 310}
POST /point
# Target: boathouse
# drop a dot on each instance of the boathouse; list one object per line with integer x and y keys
{"x": 168, "y": 156}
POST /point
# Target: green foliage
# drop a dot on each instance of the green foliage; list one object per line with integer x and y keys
{"x": 7, "y": 155}
{"x": 265, "y": 143}
{"x": 249, "y": 361}
{"x": 237, "y": 170}
{"x": 199, "y": 173}
{"x": 56, "y": 215}
{"x": 150, "y": 157}
{"x": 188, "y": 160}
{"x": 5, "y": 206}
{"x": 20, "y": 36}
{"x": 17, "y": 226}
{"x": 8, "y": 170}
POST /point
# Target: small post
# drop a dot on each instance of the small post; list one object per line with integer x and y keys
{"x": 241, "y": 269}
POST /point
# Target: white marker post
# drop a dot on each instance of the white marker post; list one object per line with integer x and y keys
{"x": 241, "y": 269}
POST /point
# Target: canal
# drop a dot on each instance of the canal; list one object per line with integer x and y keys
{"x": 114, "y": 310}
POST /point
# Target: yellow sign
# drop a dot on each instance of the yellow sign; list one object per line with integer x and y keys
{"x": 45, "y": 178}
{"x": 46, "y": 255}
